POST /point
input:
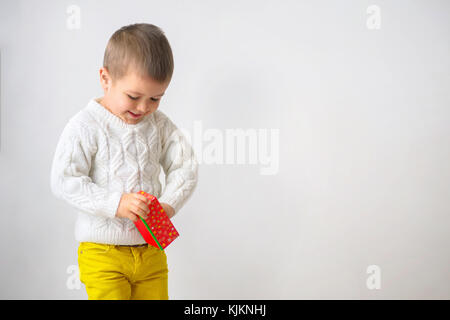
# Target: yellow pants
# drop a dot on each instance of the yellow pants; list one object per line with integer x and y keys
{"x": 123, "y": 272}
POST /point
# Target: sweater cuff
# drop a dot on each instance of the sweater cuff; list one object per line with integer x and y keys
{"x": 170, "y": 200}
{"x": 109, "y": 206}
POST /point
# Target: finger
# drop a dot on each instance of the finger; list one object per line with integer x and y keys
{"x": 144, "y": 207}
{"x": 142, "y": 198}
{"x": 140, "y": 204}
{"x": 132, "y": 216}
{"x": 140, "y": 211}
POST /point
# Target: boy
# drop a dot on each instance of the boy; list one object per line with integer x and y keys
{"x": 112, "y": 149}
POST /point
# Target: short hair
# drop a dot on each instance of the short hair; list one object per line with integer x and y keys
{"x": 141, "y": 46}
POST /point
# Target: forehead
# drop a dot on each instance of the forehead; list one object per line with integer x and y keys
{"x": 134, "y": 82}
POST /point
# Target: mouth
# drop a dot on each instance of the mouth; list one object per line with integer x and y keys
{"x": 134, "y": 115}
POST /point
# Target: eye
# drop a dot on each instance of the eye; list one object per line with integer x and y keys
{"x": 154, "y": 99}
{"x": 132, "y": 98}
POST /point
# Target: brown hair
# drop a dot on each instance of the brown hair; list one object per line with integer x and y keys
{"x": 143, "y": 47}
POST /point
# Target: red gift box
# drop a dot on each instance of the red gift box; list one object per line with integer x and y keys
{"x": 157, "y": 230}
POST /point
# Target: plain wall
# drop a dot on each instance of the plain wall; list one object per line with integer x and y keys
{"x": 363, "y": 146}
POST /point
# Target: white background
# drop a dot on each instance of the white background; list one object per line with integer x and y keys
{"x": 363, "y": 118}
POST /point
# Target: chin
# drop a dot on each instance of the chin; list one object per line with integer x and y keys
{"x": 132, "y": 121}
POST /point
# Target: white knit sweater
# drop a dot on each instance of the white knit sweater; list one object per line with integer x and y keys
{"x": 99, "y": 157}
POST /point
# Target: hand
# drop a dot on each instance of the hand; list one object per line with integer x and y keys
{"x": 168, "y": 209}
{"x": 133, "y": 205}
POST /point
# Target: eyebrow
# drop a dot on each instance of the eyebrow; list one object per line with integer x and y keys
{"x": 140, "y": 94}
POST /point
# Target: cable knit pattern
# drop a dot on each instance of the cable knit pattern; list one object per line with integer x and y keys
{"x": 99, "y": 157}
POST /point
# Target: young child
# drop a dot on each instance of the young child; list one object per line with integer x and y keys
{"x": 112, "y": 149}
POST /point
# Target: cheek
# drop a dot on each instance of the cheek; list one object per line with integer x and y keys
{"x": 125, "y": 104}
{"x": 155, "y": 105}
{"x": 119, "y": 103}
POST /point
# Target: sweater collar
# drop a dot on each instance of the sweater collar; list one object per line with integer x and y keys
{"x": 106, "y": 116}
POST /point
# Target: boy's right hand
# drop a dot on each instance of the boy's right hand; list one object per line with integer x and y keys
{"x": 132, "y": 205}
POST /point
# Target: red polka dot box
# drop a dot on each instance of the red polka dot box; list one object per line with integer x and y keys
{"x": 157, "y": 230}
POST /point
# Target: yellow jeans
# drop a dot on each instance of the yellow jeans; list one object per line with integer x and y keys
{"x": 123, "y": 272}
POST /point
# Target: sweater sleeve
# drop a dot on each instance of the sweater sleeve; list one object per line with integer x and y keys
{"x": 70, "y": 180}
{"x": 179, "y": 164}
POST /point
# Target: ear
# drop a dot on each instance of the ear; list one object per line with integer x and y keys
{"x": 105, "y": 79}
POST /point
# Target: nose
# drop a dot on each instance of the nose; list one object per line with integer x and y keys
{"x": 143, "y": 109}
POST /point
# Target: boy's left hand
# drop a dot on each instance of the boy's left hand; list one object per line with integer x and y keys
{"x": 168, "y": 209}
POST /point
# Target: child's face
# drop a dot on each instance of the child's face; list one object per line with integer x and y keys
{"x": 130, "y": 95}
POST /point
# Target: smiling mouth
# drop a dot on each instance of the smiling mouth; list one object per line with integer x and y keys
{"x": 134, "y": 115}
